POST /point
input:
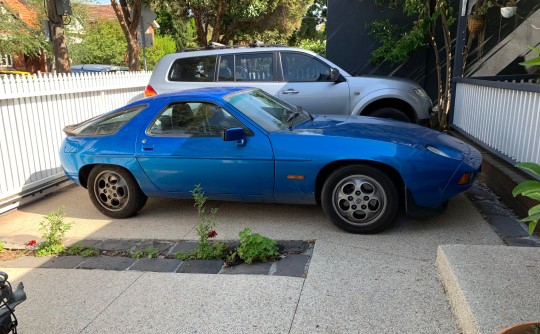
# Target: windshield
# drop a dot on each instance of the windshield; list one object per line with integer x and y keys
{"x": 265, "y": 110}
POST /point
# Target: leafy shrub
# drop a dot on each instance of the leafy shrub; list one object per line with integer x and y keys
{"x": 531, "y": 189}
{"x": 54, "y": 228}
{"x": 254, "y": 246}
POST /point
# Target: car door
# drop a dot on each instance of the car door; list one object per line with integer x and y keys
{"x": 183, "y": 147}
{"x": 307, "y": 84}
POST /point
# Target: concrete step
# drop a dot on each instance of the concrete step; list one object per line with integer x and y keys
{"x": 490, "y": 287}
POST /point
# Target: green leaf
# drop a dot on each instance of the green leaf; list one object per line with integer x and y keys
{"x": 532, "y": 226}
{"x": 530, "y": 166}
{"x": 525, "y": 187}
{"x": 532, "y": 218}
{"x": 535, "y": 196}
{"x": 534, "y": 210}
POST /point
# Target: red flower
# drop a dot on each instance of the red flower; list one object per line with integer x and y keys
{"x": 211, "y": 234}
{"x": 31, "y": 243}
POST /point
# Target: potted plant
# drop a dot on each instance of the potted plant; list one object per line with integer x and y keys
{"x": 524, "y": 328}
{"x": 476, "y": 21}
{"x": 509, "y": 9}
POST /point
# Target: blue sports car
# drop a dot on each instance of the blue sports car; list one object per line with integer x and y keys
{"x": 242, "y": 144}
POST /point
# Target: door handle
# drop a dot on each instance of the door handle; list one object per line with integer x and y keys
{"x": 146, "y": 147}
{"x": 290, "y": 91}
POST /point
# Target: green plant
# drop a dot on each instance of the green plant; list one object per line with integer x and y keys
{"x": 535, "y": 330}
{"x": 1, "y": 246}
{"x": 137, "y": 254}
{"x": 54, "y": 228}
{"x": 205, "y": 229}
{"x": 531, "y": 189}
{"x": 78, "y": 249}
{"x": 534, "y": 61}
{"x": 182, "y": 256}
{"x": 482, "y": 7}
{"x": 151, "y": 252}
{"x": 254, "y": 246}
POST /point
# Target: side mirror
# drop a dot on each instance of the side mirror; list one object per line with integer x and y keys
{"x": 334, "y": 74}
{"x": 234, "y": 134}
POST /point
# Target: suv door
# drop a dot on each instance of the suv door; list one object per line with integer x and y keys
{"x": 308, "y": 84}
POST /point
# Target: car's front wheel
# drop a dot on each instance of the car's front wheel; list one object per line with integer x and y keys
{"x": 114, "y": 191}
{"x": 360, "y": 199}
{"x": 392, "y": 113}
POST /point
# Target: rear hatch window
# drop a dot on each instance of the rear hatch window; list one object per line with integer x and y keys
{"x": 104, "y": 124}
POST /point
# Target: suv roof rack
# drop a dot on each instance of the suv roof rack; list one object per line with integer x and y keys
{"x": 217, "y": 46}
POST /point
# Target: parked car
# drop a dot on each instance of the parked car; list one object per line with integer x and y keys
{"x": 243, "y": 144}
{"x": 92, "y": 68}
{"x": 297, "y": 76}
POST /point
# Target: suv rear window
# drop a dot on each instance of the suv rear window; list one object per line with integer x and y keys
{"x": 193, "y": 69}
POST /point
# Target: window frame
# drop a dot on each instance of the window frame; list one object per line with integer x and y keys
{"x": 275, "y": 69}
{"x": 177, "y": 60}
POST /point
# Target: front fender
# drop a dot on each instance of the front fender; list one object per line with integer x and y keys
{"x": 420, "y": 106}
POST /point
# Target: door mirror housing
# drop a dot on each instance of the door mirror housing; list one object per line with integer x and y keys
{"x": 232, "y": 134}
{"x": 334, "y": 74}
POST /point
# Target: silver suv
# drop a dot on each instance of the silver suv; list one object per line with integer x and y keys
{"x": 297, "y": 76}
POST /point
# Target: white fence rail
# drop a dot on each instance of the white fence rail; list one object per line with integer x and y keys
{"x": 504, "y": 117}
{"x": 33, "y": 112}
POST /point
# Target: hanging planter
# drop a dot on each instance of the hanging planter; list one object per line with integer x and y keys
{"x": 508, "y": 12}
{"x": 476, "y": 23}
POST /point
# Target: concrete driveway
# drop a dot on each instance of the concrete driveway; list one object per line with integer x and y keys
{"x": 356, "y": 283}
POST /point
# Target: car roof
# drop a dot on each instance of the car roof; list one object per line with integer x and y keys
{"x": 223, "y": 51}
{"x": 98, "y": 67}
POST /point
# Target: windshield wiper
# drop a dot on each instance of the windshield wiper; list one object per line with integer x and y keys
{"x": 292, "y": 117}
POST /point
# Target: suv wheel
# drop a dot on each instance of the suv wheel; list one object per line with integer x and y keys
{"x": 392, "y": 113}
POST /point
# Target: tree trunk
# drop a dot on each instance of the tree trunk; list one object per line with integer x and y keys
{"x": 219, "y": 17}
{"x": 199, "y": 27}
{"x": 58, "y": 38}
{"x": 130, "y": 28}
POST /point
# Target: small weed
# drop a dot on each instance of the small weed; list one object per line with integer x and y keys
{"x": 78, "y": 249}
{"x": 1, "y": 246}
{"x": 54, "y": 228}
{"x": 254, "y": 246}
{"x": 182, "y": 256}
{"x": 149, "y": 252}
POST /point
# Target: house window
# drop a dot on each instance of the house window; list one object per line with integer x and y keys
{"x": 6, "y": 60}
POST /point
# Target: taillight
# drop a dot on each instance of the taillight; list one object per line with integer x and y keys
{"x": 149, "y": 91}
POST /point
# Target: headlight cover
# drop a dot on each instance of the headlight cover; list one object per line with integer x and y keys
{"x": 445, "y": 152}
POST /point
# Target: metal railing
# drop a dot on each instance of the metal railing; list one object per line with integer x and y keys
{"x": 33, "y": 112}
{"x": 500, "y": 113}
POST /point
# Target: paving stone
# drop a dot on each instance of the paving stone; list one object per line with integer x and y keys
{"x": 258, "y": 268}
{"x": 293, "y": 246}
{"x": 116, "y": 245}
{"x": 294, "y": 265}
{"x": 84, "y": 242}
{"x": 201, "y": 267}
{"x": 479, "y": 193}
{"x": 490, "y": 208}
{"x": 156, "y": 265}
{"x": 26, "y": 262}
{"x": 64, "y": 262}
{"x": 107, "y": 263}
{"x": 523, "y": 242}
{"x": 162, "y": 246}
{"x": 184, "y": 247}
{"x": 507, "y": 227}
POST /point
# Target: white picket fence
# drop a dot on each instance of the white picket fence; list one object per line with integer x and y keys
{"x": 33, "y": 112}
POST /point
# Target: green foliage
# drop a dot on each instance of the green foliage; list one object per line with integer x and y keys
{"x": 313, "y": 26}
{"x": 182, "y": 256}
{"x": 176, "y": 23}
{"x": 54, "y": 228}
{"x": 530, "y": 189}
{"x": 535, "y": 329}
{"x": 17, "y": 36}
{"x": 103, "y": 43}
{"x": 254, "y": 246}
{"x": 163, "y": 45}
{"x": 482, "y": 7}
{"x": 534, "y": 61}
{"x": 317, "y": 46}
{"x": 78, "y": 249}
{"x": 1, "y": 246}
{"x": 150, "y": 252}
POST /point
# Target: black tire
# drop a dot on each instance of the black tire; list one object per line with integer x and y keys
{"x": 360, "y": 199}
{"x": 392, "y": 113}
{"x": 114, "y": 191}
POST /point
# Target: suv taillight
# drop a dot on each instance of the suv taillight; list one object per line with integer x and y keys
{"x": 149, "y": 91}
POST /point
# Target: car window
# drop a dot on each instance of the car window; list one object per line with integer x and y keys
{"x": 301, "y": 68}
{"x": 193, "y": 119}
{"x": 265, "y": 110}
{"x": 109, "y": 123}
{"x": 225, "y": 68}
{"x": 254, "y": 67}
{"x": 193, "y": 69}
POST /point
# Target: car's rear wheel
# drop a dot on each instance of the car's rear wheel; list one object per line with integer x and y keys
{"x": 114, "y": 191}
{"x": 392, "y": 113}
{"x": 360, "y": 199}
